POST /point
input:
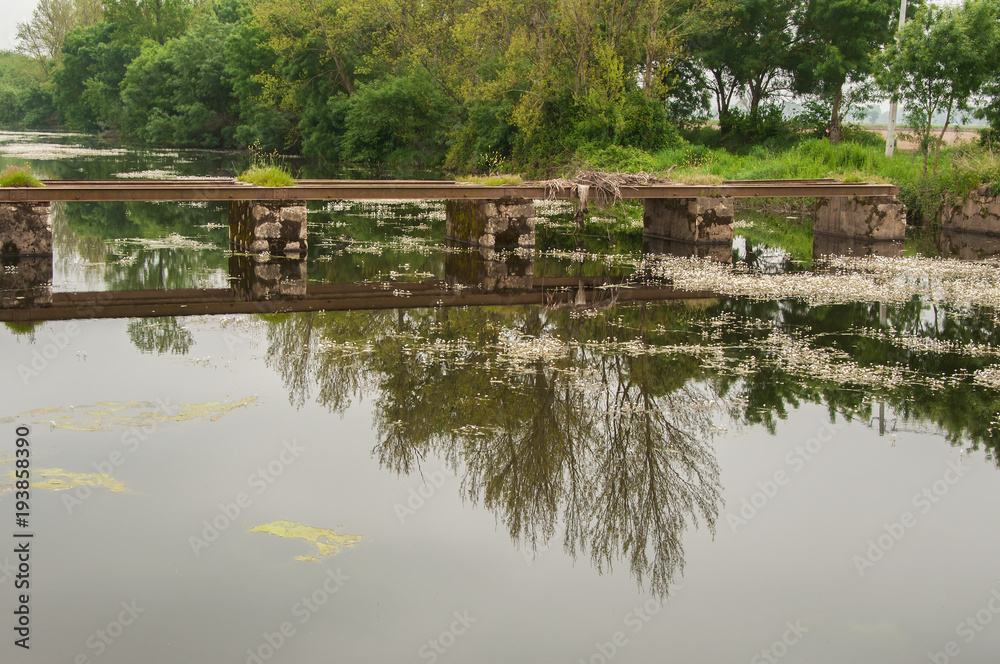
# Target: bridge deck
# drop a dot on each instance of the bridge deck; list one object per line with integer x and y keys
{"x": 320, "y": 190}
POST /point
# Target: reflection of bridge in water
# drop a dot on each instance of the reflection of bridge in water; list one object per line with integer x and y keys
{"x": 260, "y": 285}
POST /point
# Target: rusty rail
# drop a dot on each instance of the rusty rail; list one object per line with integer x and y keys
{"x": 218, "y": 189}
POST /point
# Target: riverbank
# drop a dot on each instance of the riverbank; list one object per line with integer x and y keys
{"x": 961, "y": 168}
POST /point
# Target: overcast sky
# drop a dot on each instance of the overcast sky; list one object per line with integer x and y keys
{"x": 13, "y": 12}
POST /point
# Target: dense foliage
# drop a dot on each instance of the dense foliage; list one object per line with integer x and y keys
{"x": 483, "y": 85}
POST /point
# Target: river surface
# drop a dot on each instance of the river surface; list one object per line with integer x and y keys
{"x": 782, "y": 460}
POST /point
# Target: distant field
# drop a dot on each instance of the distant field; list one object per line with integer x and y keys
{"x": 951, "y": 137}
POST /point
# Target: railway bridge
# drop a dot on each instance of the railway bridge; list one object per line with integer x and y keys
{"x": 273, "y": 219}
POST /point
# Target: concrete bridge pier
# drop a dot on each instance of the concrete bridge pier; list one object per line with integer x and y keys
{"x": 870, "y": 218}
{"x": 505, "y": 223}
{"x": 701, "y": 221}
{"x": 261, "y": 278}
{"x": 276, "y": 227}
{"x": 25, "y": 229}
{"x": 26, "y": 254}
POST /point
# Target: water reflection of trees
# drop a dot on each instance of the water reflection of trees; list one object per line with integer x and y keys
{"x": 939, "y": 346}
{"x": 88, "y": 231}
{"x": 612, "y": 447}
{"x": 601, "y": 424}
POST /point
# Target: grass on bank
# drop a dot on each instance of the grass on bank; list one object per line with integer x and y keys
{"x": 267, "y": 176}
{"x": 963, "y": 168}
{"x": 494, "y": 180}
{"x": 18, "y": 176}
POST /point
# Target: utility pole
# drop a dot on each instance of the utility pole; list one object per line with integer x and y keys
{"x": 890, "y": 134}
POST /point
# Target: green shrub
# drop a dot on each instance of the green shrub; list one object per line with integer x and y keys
{"x": 18, "y": 176}
{"x": 617, "y": 158}
{"x": 264, "y": 170}
{"x": 267, "y": 176}
{"x": 765, "y": 127}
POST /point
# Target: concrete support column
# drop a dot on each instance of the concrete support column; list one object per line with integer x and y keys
{"x": 861, "y": 217}
{"x": 277, "y": 227}
{"x": 506, "y": 223}
{"x": 694, "y": 220}
{"x": 25, "y": 229}
{"x": 258, "y": 278}
{"x": 488, "y": 271}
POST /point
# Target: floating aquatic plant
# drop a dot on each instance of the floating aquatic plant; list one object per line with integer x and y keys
{"x": 327, "y": 542}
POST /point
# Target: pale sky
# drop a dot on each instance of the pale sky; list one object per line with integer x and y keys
{"x": 13, "y": 12}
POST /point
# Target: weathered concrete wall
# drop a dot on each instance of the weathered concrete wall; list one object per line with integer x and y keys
{"x": 832, "y": 245}
{"x": 25, "y": 229}
{"x": 489, "y": 271}
{"x": 696, "y": 220}
{"x": 977, "y": 213}
{"x": 257, "y": 278}
{"x": 863, "y": 217}
{"x": 277, "y": 227}
{"x": 26, "y": 281}
{"x": 506, "y": 223}
{"x": 718, "y": 252}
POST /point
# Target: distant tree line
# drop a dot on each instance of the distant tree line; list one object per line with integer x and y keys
{"x": 473, "y": 84}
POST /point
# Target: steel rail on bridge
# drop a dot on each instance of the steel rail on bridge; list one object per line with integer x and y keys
{"x": 361, "y": 190}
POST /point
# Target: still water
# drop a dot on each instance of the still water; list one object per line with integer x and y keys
{"x": 775, "y": 462}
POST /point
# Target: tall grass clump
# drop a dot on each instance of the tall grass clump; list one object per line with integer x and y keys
{"x": 264, "y": 170}
{"x": 18, "y": 176}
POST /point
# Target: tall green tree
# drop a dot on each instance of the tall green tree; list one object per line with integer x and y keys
{"x": 265, "y": 115}
{"x": 747, "y": 55}
{"x": 88, "y": 77}
{"x": 42, "y": 37}
{"x": 836, "y": 42}
{"x": 159, "y": 20}
{"x": 941, "y": 61}
{"x": 179, "y": 93}
{"x": 25, "y": 96}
